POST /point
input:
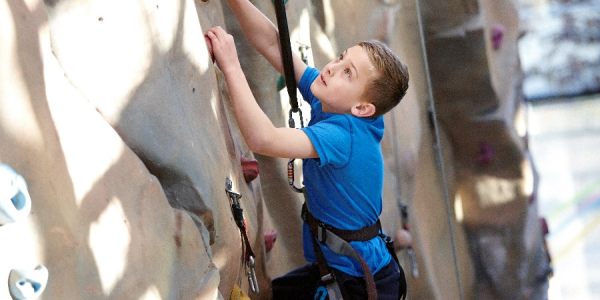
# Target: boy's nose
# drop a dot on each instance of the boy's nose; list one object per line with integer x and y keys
{"x": 331, "y": 68}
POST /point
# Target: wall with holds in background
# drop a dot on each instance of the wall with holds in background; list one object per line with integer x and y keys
{"x": 120, "y": 124}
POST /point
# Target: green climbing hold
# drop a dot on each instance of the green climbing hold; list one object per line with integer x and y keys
{"x": 280, "y": 82}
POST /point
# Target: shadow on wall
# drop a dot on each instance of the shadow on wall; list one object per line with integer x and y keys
{"x": 98, "y": 239}
{"x": 47, "y": 156}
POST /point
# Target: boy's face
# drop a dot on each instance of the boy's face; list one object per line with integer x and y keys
{"x": 341, "y": 83}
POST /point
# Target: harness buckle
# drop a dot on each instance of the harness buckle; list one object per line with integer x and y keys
{"x": 328, "y": 278}
{"x": 322, "y": 233}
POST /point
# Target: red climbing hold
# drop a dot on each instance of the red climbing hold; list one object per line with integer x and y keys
{"x": 270, "y": 238}
{"x": 250, "y": 169}
{"x": 497, "y": 36}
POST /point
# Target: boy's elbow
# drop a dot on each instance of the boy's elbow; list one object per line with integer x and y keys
{"x": 259, "y": 145}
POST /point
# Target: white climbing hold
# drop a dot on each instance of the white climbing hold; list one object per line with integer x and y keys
{"x": 15, "y": 203}
{"x": 27, "y": 284}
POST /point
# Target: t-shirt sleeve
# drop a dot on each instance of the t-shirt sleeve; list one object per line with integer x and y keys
{"x": 305, "y": 82}
{"x": 332, "y": 140}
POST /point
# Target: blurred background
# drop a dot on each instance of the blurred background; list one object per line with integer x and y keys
{"x": 560, "y": 57}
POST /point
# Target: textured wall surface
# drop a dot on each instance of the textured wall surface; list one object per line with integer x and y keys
{"x": 115, "y": 116}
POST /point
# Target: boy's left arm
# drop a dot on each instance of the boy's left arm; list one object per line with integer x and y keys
{"x": 259, "y": 132}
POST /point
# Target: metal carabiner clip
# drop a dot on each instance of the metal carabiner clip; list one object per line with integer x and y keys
{"x": 291, "y": 176}
{"x": 251, "y": 273}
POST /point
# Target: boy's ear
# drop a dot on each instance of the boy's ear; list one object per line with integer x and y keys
{"x": 363, "y": 110}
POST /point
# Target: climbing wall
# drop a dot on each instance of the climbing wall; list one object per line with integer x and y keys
{"x": 113, "y": 116}
{"x": 121, "y": 157}
{"x": 476, "y": 81}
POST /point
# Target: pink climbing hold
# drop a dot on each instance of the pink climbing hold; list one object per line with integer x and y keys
{"x": 249, "y": 168}
{"x": 497, "y": 36}
{"x": 486, "y": 153}
{"x": 532, "y": 198}
{"x": 270, "y": 238}
{"x": 544, "y": 224}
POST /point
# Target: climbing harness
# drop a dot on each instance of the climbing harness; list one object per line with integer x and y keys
{"x": 437, "y": 146}
{"x": 248, "y": 254}
{"x": 338, "y": 241}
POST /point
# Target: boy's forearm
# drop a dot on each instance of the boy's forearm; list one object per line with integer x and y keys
{"x": 252, "y": 121}
{"x": 259, "y": 30}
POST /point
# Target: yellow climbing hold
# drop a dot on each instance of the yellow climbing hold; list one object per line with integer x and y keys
{"x": 237, "y": 294}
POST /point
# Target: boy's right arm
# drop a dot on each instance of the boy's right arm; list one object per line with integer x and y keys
{"x": 263, "y": 35}
{"x": 258, "y": 131}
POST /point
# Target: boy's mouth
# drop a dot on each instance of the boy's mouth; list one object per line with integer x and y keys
{"x": 322, "y": 80}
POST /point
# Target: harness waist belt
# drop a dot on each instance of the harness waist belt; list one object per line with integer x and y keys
{"x": 338, "y": 241}
{"x": 361, "y": 235}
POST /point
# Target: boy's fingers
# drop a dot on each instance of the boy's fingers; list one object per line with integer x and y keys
{"x": 216, "y": 30}
{"x": 211, "y": 34}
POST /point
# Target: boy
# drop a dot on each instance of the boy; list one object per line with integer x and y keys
{"x": 343, "y": 164}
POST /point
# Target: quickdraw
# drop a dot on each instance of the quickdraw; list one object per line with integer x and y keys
{"x": 238, "y": 216}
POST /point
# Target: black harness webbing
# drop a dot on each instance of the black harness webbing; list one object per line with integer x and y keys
{"x": 286, "y": 53}
{"x": 338, "y": 241}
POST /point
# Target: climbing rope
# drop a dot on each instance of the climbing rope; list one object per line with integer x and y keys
{"x": 288, "y": 62}
{"x": 438, "y": 148}
{"x": 290, "y": 79}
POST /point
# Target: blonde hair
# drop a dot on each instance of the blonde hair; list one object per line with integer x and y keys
{"x": 391, "y": 81}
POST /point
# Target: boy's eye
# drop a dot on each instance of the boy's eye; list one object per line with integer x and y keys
{"x": 341, "y": 56}
{"x": 347, "y": 72}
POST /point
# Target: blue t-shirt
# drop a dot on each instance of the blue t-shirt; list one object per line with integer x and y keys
{"x": 344, "y": 185}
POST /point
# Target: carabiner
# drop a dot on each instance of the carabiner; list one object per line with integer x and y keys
{"x": 251, "y": 273}
{"x": 291, "y": 176}
{"x": 291, "y": 121}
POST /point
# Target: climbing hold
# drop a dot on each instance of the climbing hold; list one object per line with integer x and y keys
{"x": 544, "y": 225}
{"x": 249, "y": 168}
{"x": 402, "y": 239}
{"x": 497, "y": 36}
{"x": 27, "y": 284}
{"x": 532, "y": 198}
{"x": 549, "y": 272}
{"x": 280, "y": 82}
{"x": 209, "y": 46}
{"x": 486, "y": 153}
{"x": 270, "y": 238}
{"x": 15, "y": 203}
